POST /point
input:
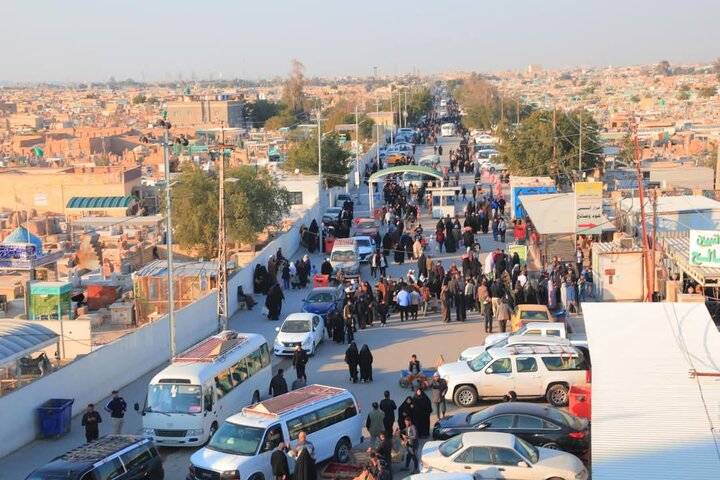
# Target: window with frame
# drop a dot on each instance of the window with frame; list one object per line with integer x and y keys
{"x": 239, "y": 372}
{"x": 526, "y": 364}
{"x": 553, "y": 333}
{"x": 500, "y": 422}
{"x": 223, "y": 383}
{"x": 477, "y": 455}
{"x": 528, "y": 422}
{"x": 265, "y": 354}
{"x": 109, "y": 470}
{"x": 505, "y": 456}
{"x": 322, "y": 418}
{"x": 273, "y": 438}
{"x": 502, "y": 365}
{"x": 254, "y": 362}
{"x": 136, "y": 458}
{"x": 296, "y": 198}
{"x": 562, "y": 363}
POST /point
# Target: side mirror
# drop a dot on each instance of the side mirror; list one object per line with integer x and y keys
{"x": 489, "y": 370}
{"x": 136, "y": 407}
{"x": 277, "y": 329}
{"x": 522, "y": 464}
{"x": 482, "y": 426}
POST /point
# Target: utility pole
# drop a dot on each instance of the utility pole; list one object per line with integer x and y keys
{"x": 517, "y": 110}
{"x": 357, "y": 150}
{"x": 222, "y": 300}
{"x": 168, "y": 237}
{"x": 641, "y": 193}
{"x": 580, "y": 147}
{"x": 502, "y": 108}
{"x": 554, "y": 124}
{"x": 717, "y": 167}
{"x": 654, "y": 239}
{"x": 320, "y": 184}
{"x": 377, "y": 134}
{"x": 392, "y": 121}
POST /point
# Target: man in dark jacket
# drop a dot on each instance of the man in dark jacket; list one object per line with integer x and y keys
{"x": 278, "y": 385}
{"x": 116, "y": 407}
{"x": 300, "y": 359}
{"x": 90, "y": 421}
{"x": 279, "y": 463}
{"x": 326, "y": 267}
{"x": 387, "y": 405}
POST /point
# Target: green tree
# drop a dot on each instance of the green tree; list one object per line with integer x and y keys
{"x": 485, "y": 106}
{"x": 627, "y": 149}
{"x": 252, "y": 203}
{"x": 303, "y": 155}
{"x": 663, "y": 68}
{"x": 528, "y": 149}
{"x": 285, "y": 119}
{"x": 419, "y": 104}
{"x": 139, "y": 98}
{"x": 260, "y": 111}
{"x": 294, "y": 90}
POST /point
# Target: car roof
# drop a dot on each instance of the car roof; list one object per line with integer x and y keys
{"x": 363, "y": 237}
{"x": 325, "y": 289}
{"x": 526, "y": 350}
{"x": 300, "y": 316}
{"x": 537, "y": 340}
{"x": 545, "y": 325}
{"x": 490, "y": 439}
{"x": 518, "y": 408}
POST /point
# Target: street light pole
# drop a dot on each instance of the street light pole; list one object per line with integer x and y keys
{"x": 357, "y": 149}
{"x": 168, "y": 241}
{"x": 222, "y": 294}
{"x": 320, "y": 188}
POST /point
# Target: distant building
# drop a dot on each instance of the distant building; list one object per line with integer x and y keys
{"x": 198, "y": 112}
{"x": 535, "y": 69}
{"x": 22, "y": 121}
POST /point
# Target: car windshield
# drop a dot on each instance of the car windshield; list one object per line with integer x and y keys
{"x": 295, "y": 326}
{"x": 478, "y": 363}
{"x": 174, "y": 398}
{"x": 320, "y": 297}
{"x": 343, "y": 256}
{"x": 363, "y": 242}
{"x": 451, "y": 446}
{"x": 527, "y": 450}
{"x": 236, "y": 439}
{"x": 533, "y": 315}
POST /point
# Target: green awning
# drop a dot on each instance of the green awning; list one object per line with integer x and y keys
{"x": 405, "y": 169}
{"x": 99, "y": 203}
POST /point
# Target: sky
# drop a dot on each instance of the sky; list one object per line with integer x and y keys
{"x": 93, "y": 40}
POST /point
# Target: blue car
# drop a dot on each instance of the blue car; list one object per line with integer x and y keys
{"x": 323, "y": 299}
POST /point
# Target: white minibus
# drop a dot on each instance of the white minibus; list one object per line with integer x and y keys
{"x": 241, "y": 448}
{"x": 448, "y": 130}
{"x": 217, "y": 377}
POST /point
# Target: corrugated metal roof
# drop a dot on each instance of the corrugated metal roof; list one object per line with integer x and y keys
{"x": 677, "y": 248}
{"x": 614, "y": 247}
{"x": 681, "y": 203}
{"x": 650, "y": 420}
{"x": 101, "y": 202}
{"x": 19, "y": 338}
{"x": 192, "y": 269}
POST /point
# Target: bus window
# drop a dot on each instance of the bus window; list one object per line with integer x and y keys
{"x": 209, "y": 401}
{"x": 265, "y": 353}
{"x": 239, "y": 372}
{"x": 223, "y": 383}
{"x": 254, "y": 362}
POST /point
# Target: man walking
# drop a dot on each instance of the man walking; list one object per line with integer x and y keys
{"x": 403, "y": 301}
{"x": 388, "y": 407}
{"x": 503, "y": 314}
{"x": 116, "y": 407}
{"x": 279, "y": 463}
{"x": 278, "y": 384}
{"x": 439, "y": 389}
{"x": 375, "y": 423}
{"x": 300, "y": 359}
{"x": 90, "y": 421}
{"x": 412, "y": 441}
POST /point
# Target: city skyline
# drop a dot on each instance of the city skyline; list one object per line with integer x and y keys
{"x": 74, "y": 41}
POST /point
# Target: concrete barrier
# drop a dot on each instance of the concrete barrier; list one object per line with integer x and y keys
{"x": 91, "y": 378}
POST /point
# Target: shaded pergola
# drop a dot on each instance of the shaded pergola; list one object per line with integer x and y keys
{"x": 400, "y": 169}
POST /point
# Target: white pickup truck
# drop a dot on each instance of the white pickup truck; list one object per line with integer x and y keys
{"x": 535, "y": 329}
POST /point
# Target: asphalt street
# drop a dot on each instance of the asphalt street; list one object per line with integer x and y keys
{"x": 392, "y": 346}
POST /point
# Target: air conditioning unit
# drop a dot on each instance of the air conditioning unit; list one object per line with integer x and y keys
{"x": 627, "y": 243}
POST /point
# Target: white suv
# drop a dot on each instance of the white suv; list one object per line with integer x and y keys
{"x": 527, "y": 370}
{"x": 304, "y": 329}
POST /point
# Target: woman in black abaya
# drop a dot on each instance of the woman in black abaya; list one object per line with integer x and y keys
{"x": 365, "y": 361}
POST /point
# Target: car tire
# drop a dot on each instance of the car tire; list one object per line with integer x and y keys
{"x": 255, "y": 397}
{"x": 257, "y": 476}
{"x": 343, "y": 451}
{"x": 551, "y": 446}
{"x": 557, "y": 395}
{"x": 211, "y": 432}
{"x": 465, "y": 396}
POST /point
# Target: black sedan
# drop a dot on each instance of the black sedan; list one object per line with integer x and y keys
{"x": 541, "y": 426}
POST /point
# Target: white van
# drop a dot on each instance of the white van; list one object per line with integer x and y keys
{"x": 448, "y": 130}
{"x": 187, "y": 401}
{"x": 242, "y": 447}
{"x": 345, "y": 257}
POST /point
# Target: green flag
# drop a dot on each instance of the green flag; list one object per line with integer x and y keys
{"x": 38, "y": 152}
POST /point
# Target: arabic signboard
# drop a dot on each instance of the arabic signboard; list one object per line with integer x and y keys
{"x": 588, "y": 207}
{"x": 521, "y": 251}
{"x": 10, "y": 263}
{"x": 705, "y": 248}
{"x": 18, "y": 251}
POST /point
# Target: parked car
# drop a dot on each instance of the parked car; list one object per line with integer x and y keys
{"x": 304, "y": 329}
{"x": 549, "y": 329}
{"x": 527, "y": 313}
{"x": 510, "y": 340}
{"x": 332, "y": 214}
{"x": 322, "y": 300}
{"x": 365, "y": 222}
{"x": 538, "y": 425}
{"x": 341, "y": 198}
{"x": 120, "y": 457}
{"x": 499, "y": 456}
{"x": 365, "y": 246}
{"x": 528, "y": 370}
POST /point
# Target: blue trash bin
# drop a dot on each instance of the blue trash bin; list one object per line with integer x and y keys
{"x": 55, "y": 417}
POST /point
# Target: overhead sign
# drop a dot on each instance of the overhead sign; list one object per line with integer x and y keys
{"x": 705, "y": 248}
{"x": 588, "y": 207}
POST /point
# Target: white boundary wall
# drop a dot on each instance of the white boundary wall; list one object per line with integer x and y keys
{"x": 90, "y": 379}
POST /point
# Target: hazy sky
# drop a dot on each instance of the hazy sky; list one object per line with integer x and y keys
{"x": 85, "y": 40}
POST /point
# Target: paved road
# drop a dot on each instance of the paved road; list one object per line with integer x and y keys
{"x": 391, "y": 347}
